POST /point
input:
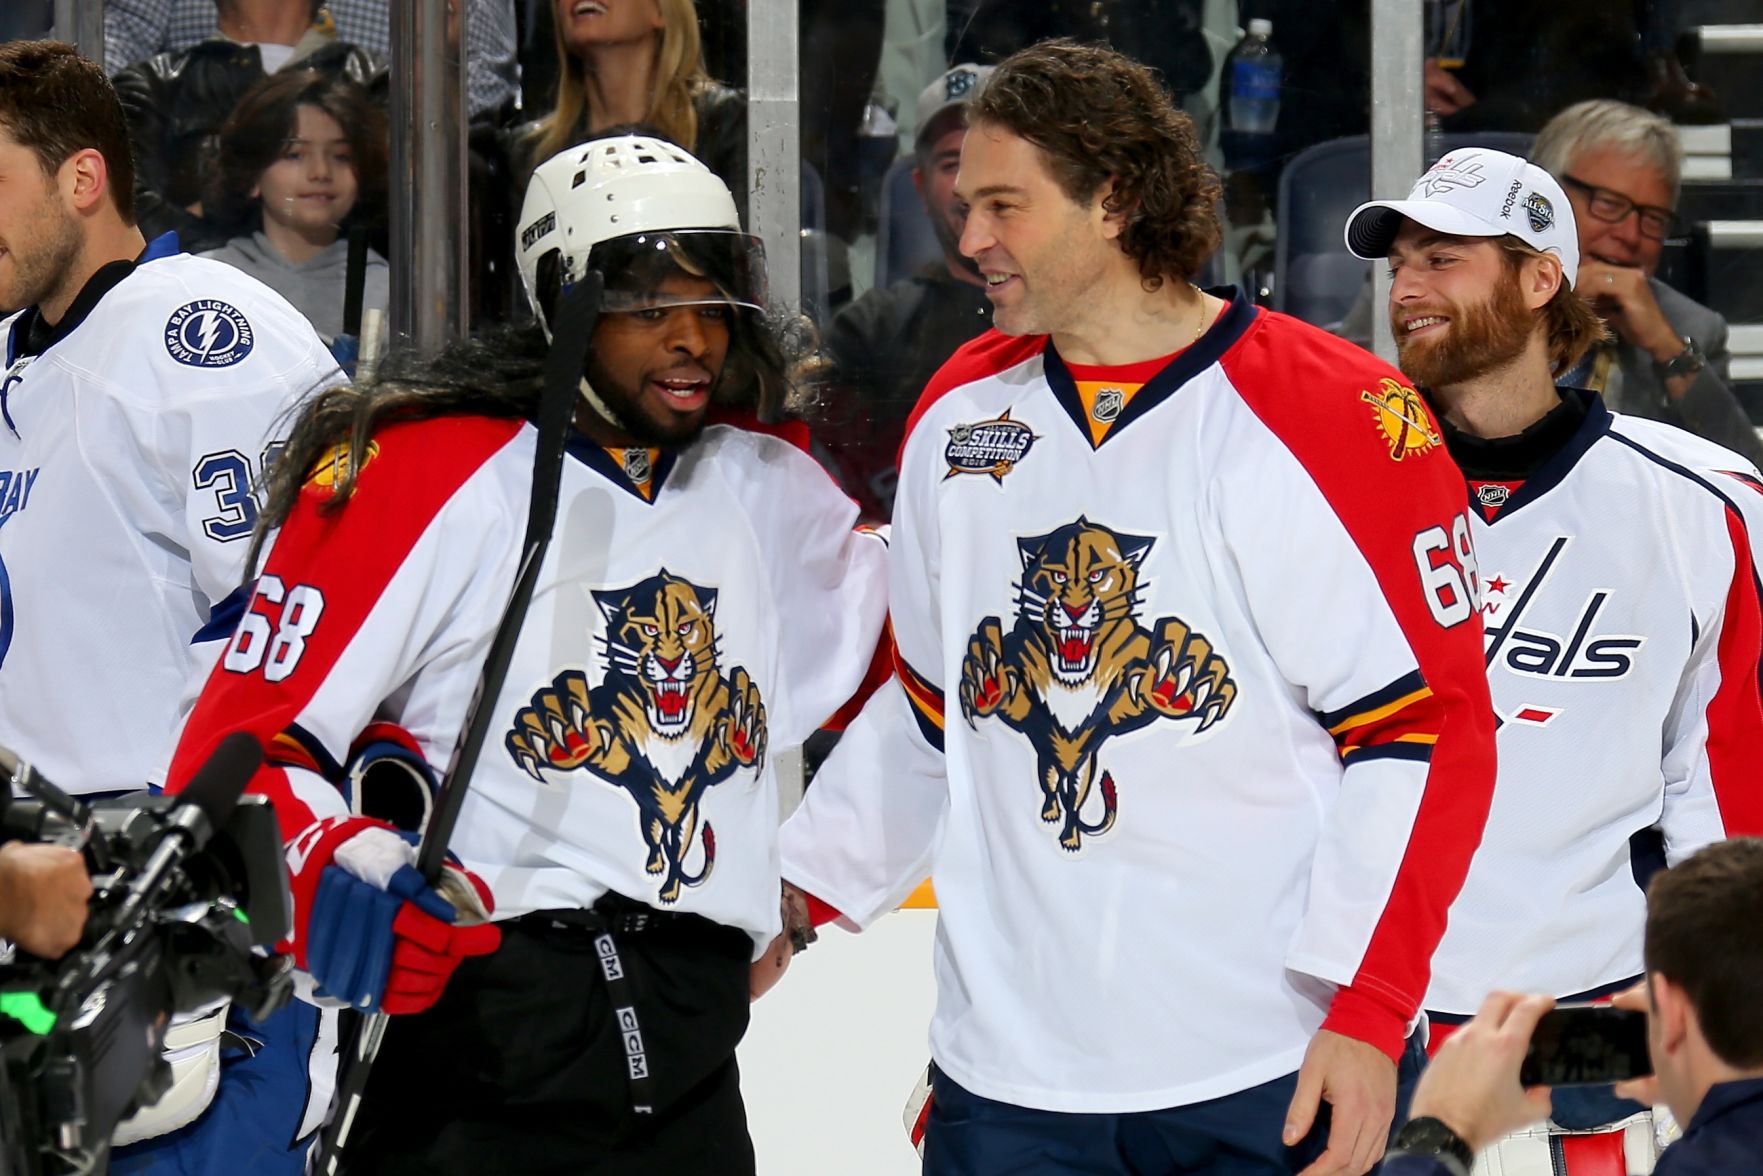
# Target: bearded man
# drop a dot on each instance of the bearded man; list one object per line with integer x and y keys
{"x": 1620, "y": 599}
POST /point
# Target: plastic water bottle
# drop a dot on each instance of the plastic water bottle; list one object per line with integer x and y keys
{"x": 1255, "y": 70}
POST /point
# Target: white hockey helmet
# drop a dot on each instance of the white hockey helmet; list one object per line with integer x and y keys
{"x": 636, "y": 209}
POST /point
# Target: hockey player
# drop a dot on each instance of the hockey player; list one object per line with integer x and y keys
{"x": 1189, "y": 723}
{"x": 705, "y": 603}
{"x": 137, "y": 408}
{"x": 1619, "y": 574}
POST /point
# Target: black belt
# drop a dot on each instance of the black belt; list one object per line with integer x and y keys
{"x": 615, "y": 915}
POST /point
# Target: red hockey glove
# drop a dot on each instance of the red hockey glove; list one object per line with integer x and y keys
{"x": 367, "y": 927}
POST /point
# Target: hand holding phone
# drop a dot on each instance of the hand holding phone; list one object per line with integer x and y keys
{"x": 1586, "y": 1045}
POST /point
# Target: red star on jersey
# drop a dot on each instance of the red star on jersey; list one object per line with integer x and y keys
{"x": 1497, "y": 584}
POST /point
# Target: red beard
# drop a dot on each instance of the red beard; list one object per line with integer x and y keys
{"x": 1478, "y": 339}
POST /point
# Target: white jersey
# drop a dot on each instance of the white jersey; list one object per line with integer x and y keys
{"x": 1621, "y": 605}
{"x": 1189, "y": 725}
{"x": 128, "y": 453}
{"x": 695, "y": 615}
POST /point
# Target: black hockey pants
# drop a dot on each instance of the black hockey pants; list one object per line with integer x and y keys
{"x": 525, "y": 1066}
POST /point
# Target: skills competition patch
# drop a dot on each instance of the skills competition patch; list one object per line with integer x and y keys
{"x": 208, "y": 333}
{"x": 991, "y": 447}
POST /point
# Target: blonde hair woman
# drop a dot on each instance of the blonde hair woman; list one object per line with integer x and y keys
{"x": 624, "y": 62}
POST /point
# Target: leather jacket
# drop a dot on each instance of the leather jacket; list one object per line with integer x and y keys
{"x": 175, "y": 104}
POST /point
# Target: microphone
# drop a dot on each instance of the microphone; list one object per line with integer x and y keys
{"x": 213, "y": 792}
{"x": 202, "y": 807}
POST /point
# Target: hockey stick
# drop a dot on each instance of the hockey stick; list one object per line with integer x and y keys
{"x": 577, "y": 313}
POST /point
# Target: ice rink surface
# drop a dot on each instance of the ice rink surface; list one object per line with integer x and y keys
{"x": 835, "y": 1050}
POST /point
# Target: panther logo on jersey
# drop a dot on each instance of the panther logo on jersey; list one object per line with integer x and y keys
{"x": 664, "y": 724}
{"x": 1077, "y": 667}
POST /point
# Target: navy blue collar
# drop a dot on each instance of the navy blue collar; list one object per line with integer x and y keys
{"x": 593, "y": 455}
{"x": 1558, "y": 465}
{"x": 1206, "y": 351}
{"x": 32, "y": 336}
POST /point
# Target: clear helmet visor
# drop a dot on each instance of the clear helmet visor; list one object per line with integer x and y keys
{"x": 674, "y": 267}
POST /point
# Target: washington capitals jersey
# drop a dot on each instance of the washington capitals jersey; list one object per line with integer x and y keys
{"x": 696, "y": 614}
{"x": 1189, "y": 723}
{"x": 128, "y": 453}
{"x": 1623, "y": 630}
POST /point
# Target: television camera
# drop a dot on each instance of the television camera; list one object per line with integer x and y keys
{"x": 189, "y": 899}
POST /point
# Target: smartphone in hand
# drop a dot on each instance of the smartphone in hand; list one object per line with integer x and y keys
{"x": 1586, "y": 1045}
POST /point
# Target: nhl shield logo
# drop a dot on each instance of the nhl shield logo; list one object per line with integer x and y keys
{"x": 637, "y": 466}
{"x": 991, "y": 447}
{"x": 1492, "y": 495}
{"x": 1401, "y": 418}
{"x": 208, "y": 333}
{"x": 1109, "y": 402}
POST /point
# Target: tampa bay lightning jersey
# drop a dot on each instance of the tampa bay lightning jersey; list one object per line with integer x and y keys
{"x": 129, "y": 451}
{"x": 697, "y": 613}
{"x": 1620, "y": 599}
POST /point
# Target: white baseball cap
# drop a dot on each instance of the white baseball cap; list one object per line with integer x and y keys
{"x": 951, "y": 91}
{"x": 1475, "y": 192}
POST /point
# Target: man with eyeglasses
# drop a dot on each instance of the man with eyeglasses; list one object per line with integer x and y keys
{"x": 1620, "y": 166}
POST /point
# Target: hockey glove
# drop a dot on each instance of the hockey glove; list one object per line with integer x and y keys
{"x": 367, "y": 927}
{"x": 388, "y": 777}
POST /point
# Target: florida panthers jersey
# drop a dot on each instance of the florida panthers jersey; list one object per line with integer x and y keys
{"x": 1189, "y": 725}
{"x": 695, "y": 615}
{"x": 128, "y": 452}
{"x": 1621, "y": 606}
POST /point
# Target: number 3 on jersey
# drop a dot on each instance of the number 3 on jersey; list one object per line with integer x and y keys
{"x": 1448, "y": 575}
{"x": 277, "y": 647}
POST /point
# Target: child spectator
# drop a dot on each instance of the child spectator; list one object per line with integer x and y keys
{"x": 301, "y": 160}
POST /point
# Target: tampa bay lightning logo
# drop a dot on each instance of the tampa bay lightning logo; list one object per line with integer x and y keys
{"x": 208, "y": 333}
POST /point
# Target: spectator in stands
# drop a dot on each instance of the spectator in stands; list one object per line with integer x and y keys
{"x": 886, "y": 346}
{"x": 1621, "y": 166}
{"x": 638, "y": 61}
{"x": 301, "y": 160}
{"x": 176, "y": 102}
{"x": 1703, "y": 997}
{"x": 135, "y": 30}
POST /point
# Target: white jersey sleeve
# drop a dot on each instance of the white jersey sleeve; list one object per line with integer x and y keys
{"x": 867, "y": 829}
{"x": 1713, "y": 736}
{"x": 351, "y": 605}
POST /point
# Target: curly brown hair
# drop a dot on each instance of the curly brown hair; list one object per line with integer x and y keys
{"x": 1097, "y": 116}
